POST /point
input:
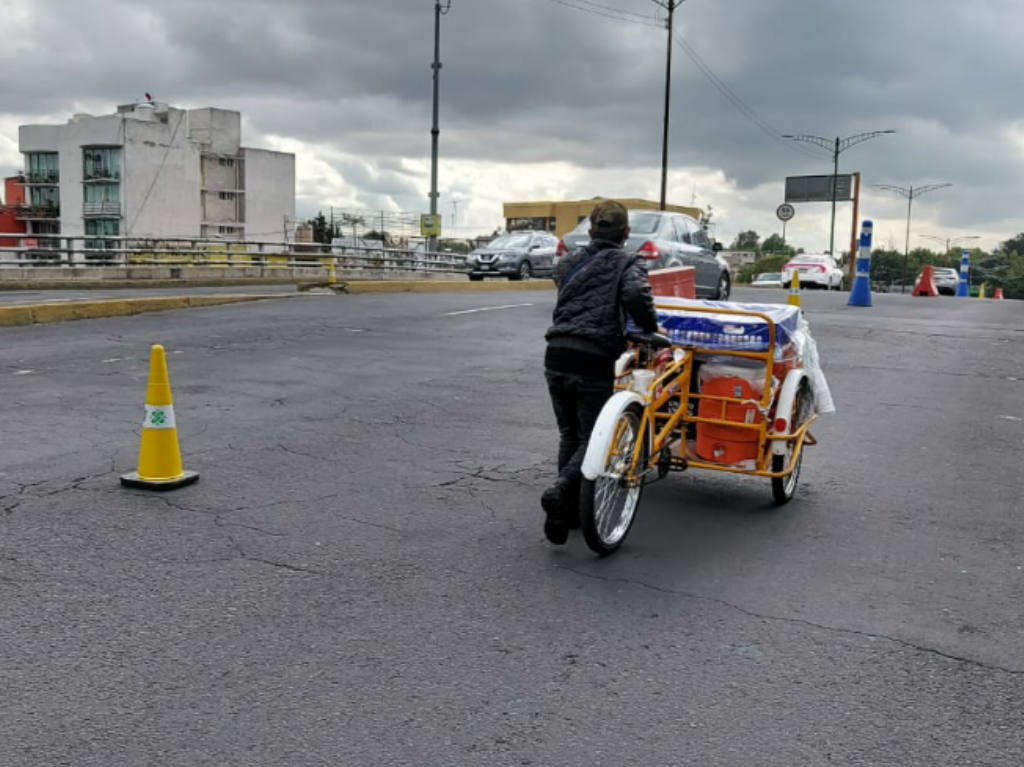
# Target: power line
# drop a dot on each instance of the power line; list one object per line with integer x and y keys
{"x": 643, "y": 17}
{"x": 745, "y": 109}
{"x": 615, "y": 14}
{"x": 156, "y": 175}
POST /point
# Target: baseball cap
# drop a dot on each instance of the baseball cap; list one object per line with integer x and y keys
{"x": 609, "y": 215}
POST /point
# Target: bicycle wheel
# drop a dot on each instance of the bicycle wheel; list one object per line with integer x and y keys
{"x": 783, "y": 488}
{"x": 608, "y": 504}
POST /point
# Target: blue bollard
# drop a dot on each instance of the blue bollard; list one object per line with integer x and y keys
{"x": 962, "y": 290}
{"x": 860, "y": 295}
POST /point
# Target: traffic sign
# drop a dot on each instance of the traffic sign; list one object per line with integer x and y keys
{"x": 785, "y": 211}
{"x": 430, "y": 224}
{"x": 818, "y": 188}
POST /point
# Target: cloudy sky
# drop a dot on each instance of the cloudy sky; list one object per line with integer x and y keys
{"x": 562, "y": 99}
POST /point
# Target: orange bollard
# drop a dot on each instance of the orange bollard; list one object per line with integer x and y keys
{"x": 926, "y": 286}
{"x": 998, "y": 295}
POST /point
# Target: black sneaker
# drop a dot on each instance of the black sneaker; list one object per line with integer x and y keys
{"x": 559, "y": 520}
{"x": 556, "y": 531}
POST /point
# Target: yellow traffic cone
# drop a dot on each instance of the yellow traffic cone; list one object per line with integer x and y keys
{"x": 794, "y": 289}
{"x": 159, "y": 455}
{"x": 981, "y": 291}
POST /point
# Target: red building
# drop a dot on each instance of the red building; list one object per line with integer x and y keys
{"x": 14, "y": 196}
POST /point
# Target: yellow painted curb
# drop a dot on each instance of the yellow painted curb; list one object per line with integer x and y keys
{"x": 442, "y": 286}
{"x": 27, "y": 314}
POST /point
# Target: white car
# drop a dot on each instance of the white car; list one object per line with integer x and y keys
{"x": 817, "y": 270}
{"x": 767, "y": 280}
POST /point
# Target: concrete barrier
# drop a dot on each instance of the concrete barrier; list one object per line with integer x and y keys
{"x": 29, "y": 314}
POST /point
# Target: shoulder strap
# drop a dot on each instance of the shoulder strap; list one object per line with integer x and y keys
{"x": 583, "y": 262}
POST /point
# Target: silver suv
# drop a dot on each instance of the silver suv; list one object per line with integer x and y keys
{"x": 666, "y": 240}
{"x": 517, "y": 255}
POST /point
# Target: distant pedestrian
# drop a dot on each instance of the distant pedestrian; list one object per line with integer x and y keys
{"x": 598, "y": 285}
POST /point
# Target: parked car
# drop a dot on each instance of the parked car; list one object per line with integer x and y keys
{"x": 945, "y": 279}
{"x": 517, "y": 255}
{"x": 665, "y": 240}
{"x": 767, "y": 280}
{"x": 817, "y": 270}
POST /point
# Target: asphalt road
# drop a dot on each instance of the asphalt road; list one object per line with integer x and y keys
{"x": 360, "y": 577}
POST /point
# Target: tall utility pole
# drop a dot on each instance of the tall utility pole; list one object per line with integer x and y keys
{"x": 835, "y": 148}
{"x": 670, "y": 6}
{"x": 910, "y": 193}
{"x": 434, "y": 131}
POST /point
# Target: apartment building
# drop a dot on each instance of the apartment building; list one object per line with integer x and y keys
{"x": 151, "y": 170}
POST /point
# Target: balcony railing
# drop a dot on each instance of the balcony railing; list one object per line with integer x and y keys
{"x": 43, "y": 177}
{"x": 101, "y": 209}
{"x": 101, "y": 174}
{"x": 33, "y": 212}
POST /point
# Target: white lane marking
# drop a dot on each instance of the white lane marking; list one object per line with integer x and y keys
{"x": 113, "y": 359}
{"x": 23, "y": 372}
{"x": 1011, "y": 418}
{"x": 486, "y": 309}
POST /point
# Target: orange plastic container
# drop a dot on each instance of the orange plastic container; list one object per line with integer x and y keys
{"x": 728, "y": 444}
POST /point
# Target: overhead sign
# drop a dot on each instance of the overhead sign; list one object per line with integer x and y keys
{"x": 818, "y": 188}
{"x": 430, "y": 224}
{"x": 785, "y": 211}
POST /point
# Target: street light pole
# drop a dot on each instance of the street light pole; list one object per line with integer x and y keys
{"x": 434, "y": 130}
{"x": 670, "y": 6}
{"x": 950, "y": 241}
{"x": 910, "y": 193}
{"x": 835, "y": 147}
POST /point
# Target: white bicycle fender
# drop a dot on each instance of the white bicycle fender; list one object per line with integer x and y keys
{"x": 604, "y": 430}
{"x": 784, "y": 404}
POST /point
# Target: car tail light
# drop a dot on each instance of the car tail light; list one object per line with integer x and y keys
{"x": 649, "y": 251}
{"x": 561, "y": 250}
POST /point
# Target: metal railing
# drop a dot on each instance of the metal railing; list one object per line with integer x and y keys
{"x": 43, "y": 177}
{"x": 101, "y": 208}
{"x": 37, "y": 211}
{"x": 31, "y": 250}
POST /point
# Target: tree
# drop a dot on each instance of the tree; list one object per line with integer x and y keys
{"x": 746, "y": 241}
{"x": 775, "y": 244}
{"x": 321, "y": 229}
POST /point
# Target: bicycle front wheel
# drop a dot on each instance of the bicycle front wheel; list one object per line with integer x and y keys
{"x": 608, "y": 503}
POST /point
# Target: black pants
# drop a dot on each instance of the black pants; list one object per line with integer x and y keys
{"x": 577, "y": 400}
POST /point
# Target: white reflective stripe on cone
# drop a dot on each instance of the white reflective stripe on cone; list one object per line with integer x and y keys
{"x": 159, "y": 417}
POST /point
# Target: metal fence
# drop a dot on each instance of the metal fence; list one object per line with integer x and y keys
{"x": 28, "y": 251}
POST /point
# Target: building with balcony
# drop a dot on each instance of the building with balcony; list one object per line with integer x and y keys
{"x": 149, "y": 171}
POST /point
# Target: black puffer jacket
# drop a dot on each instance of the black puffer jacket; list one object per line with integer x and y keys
{"x": 597, "y": 285}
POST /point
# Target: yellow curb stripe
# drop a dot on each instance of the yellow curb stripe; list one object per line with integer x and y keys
{"x": 27, "y": 314}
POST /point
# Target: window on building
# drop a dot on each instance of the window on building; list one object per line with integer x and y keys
{"x": 43, "y": 168}
{"x": 44, "y": 196}
{"x": 226, "y": 230}
{"x": 101, "y": 163}
{"x": 102, "y": 193}
{"x": 97, "y": 228}
{"x": 226, "y": 162}
{"x": 227, "y": 195}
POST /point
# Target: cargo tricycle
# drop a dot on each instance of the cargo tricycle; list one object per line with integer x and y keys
{"x": 728, "y": 387}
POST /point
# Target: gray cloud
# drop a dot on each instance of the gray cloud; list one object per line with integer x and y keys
{"x": 534, "y": 81}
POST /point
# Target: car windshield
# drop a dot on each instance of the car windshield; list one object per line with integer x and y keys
{"x": 769, "y": 277}
{"x": 810, "y": 260}
{"x": 510, "y": 241}
{"x": 643, "y": 221}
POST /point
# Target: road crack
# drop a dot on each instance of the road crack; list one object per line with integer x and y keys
{"x": 799, "y": 621}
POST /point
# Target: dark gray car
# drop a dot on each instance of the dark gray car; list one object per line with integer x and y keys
{"x": 666, "y": 240}
{"x": 517, "y": 255}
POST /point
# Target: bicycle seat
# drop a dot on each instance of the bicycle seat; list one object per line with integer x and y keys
{"x": 656, "y": 340}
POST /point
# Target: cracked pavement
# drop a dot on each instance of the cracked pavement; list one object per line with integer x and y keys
{"x": 359, "y": 577}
